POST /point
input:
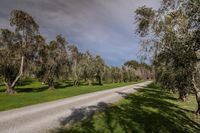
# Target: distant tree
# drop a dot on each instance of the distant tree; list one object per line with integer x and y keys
{"x": 134, "y": 64}
{"x": 99, "y": 67}
{"x": 74, "y": 57}
{"x": 138, "y": 70}
{"x": 107, "y": 74}
{"x": 53, "y": 60}
{"x": 89, "y": 69}
{"x": 116, "y": 74}
{"x": 125, "y": 74}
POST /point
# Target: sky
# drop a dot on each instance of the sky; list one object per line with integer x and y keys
{"x": 104, "y": 27}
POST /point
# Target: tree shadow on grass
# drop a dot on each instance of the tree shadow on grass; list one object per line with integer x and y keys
{"x": 26, "y": 82}
{"x": 29, "y": 85}
{"x": 61, "y": 85}
{"x": 26, "y": 86}
{"x": 146, "y": 112}
{"x": 33, "y": 89}
{"x": 40, "y": 88}
{"x": 80, "y": 114}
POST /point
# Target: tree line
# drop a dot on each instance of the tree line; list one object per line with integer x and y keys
{"x": 25, "y": 53}
{"x": 172, "y": 34}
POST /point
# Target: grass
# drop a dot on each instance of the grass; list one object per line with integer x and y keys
{"x": 148, "y": 111}
{"x": 32, "y": 92}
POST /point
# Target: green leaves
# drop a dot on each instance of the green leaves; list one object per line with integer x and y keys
{"x": 23, "y": 22}
{"x": 172, "y": 30}
{"x": 144, "y": 17}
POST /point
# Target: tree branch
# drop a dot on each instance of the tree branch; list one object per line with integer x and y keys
{"x": 20, "y": 72}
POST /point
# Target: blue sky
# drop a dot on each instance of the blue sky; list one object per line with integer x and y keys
{"x": 104, "y": 27}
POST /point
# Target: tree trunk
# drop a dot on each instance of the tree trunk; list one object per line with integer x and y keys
{"x": 197, "y": 91}
{"x": 85, "y": 79}
{"x": 89, "y": 82}
{"x": 9, "y": 89}
{"x": 76, "y": 83}
{"x": 183, "y": 96}
{"x": 198, "y": 103}
{"x": 99, "y": 80}
{"x": 51, "y": 87}
{"x": 51, "y": 84}
{"x": 20, "y": 73}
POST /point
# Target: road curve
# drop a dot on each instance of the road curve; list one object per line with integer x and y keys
{"x": 42, "y": 118}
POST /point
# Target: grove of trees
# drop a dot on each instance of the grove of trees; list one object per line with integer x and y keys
{"x": 172, "y": 34}
{"x": 25, "y": 53}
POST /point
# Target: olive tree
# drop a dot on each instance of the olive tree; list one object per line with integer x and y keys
{"x": 99, "y": 68}
{"x": 53, "y": 60}
{"x": 88, "y": 67}
{"x": 74, "y": 58}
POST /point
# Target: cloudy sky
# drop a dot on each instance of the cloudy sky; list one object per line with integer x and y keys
{"x": 104, "y": 27}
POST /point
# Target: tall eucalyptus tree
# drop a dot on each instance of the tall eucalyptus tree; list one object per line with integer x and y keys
{"x": 18, "y": 46}
{"x": 172, "y": 34}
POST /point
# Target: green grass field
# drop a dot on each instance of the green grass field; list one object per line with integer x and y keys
{"x": 148, "y": 111}
{"x": 32, "y": 92}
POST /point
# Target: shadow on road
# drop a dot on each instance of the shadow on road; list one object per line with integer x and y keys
{"x": 146, "y": 112}
{"x": 80, "y": 114}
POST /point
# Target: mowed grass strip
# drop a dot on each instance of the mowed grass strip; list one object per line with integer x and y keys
{"x": 32, "y": 92}
{"x": 148, "y": 111}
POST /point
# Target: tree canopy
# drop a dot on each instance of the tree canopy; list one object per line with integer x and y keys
{"x": 171, "y": 33}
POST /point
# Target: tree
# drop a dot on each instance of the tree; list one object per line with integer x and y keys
{"x": 171, "y": 33}
{"x": 116, "y": 74}
{"x": 132, "y": 63}
{"x": 10, "y": 58}
{"x": 74, "y": 57}
{"x": 99, "y": 68}
{"x": 53, "y": 60}
{"x": 88, "y": 67}
{"x": 125, "y": 73}
{"x": 17, "y": 46}
{"x": 138, "y": 70}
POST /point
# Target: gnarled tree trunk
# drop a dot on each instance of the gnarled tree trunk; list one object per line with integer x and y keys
{"x": 183, "y": 96}
{"x": 89, "y": 82}
{"x": 99, "y": 80}
{"x": 9, "y": 89}
{"x": 76, "y": 83}
{"x": 198, "y": 102}
{"x": 197, "y": 93}
{"x": 51, "y": 84}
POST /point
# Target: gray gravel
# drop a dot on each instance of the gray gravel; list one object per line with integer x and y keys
{"x": 42, "y": 118}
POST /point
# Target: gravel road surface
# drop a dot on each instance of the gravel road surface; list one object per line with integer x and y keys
{"x": 41, "y": 118}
